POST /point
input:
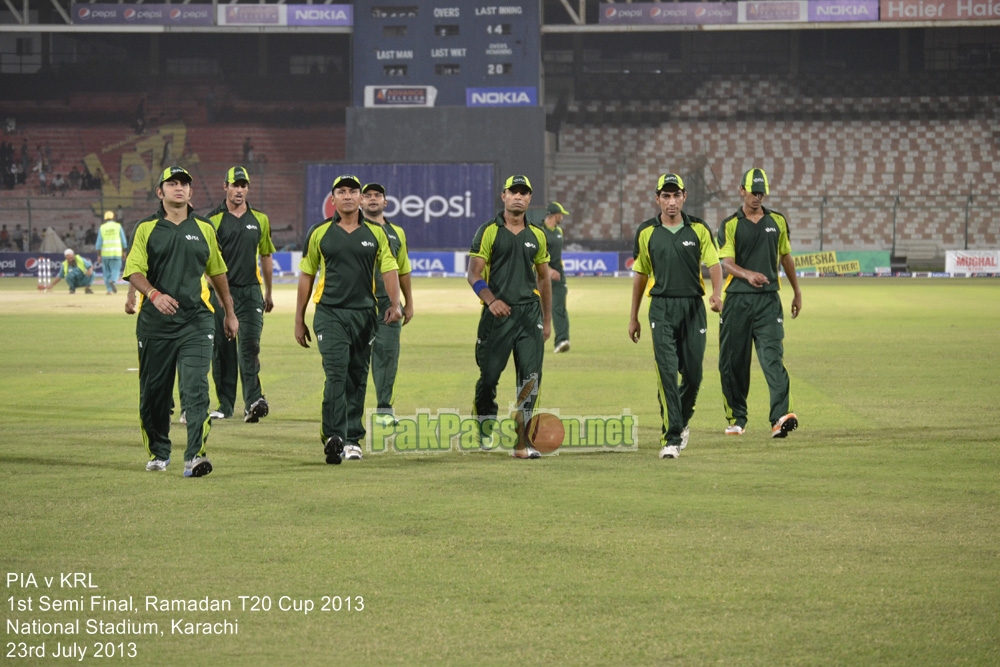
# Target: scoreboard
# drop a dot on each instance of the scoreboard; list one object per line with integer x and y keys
{"x": 472, "y": 53}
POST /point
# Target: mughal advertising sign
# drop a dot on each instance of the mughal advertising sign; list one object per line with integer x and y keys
{"x": 941, "y": 10}
{"x": 115, "y": 14}
{"x": 437, "y": 205}
{"x": 970, "y": 262}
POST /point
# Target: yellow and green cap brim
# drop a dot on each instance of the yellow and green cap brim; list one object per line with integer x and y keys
{"x": 755, "y": 180}
{"x": 237, "y": 174}
{"x": 345, "y": 179}
{"x": 517, "y": 179}
{"x": 171, "y": 173}
{"x": 669, "y": 179}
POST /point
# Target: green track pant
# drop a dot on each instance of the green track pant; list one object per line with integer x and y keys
{"x": 520, "y": 333}
{"x": 240, "y": 356}
{"x": 344, "y": 337}
{"x": 560, "y": 318}
{"x": 385, "y": 362}
{"x": 189, "y": 357}
{"x": 758, "y": 320}
{"x": 678, "y": 327}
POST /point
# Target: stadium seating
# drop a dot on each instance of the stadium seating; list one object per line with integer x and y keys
{"x": 834, "y": 162}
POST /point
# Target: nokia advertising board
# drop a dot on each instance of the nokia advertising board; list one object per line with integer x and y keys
{"x": 437, "y": 205}
{"x": 476, "y": 53}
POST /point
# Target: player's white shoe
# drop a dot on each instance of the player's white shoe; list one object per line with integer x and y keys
{"x": 528, "y": 452}
{"x": 352, "y": 452}
{"x": 157, "y": 465}
{"x": 670, "y": 452}
{"x": 735, "y": 429}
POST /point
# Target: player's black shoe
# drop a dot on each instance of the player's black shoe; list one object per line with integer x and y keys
{"x": 334, "y": 450}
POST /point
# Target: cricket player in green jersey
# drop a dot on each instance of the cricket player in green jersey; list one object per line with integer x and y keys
{"x": 385, "y": 350}
{"x": 347, "y": 250}
{"x": 171, "y": 251}
{"x": 509, "y": 272}
{"x": 672, "y": 249}
{"x": 554, "y": 240}
{"x": 754, "y": 243}
{"x": 244, "y": 235}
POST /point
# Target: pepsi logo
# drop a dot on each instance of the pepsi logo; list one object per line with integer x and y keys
{"x": 610, "y": 12}
{"x": 329, "y": 208}
{"x": 31, "y": 263}
{"x": 655, "y": 12}
{"x": 129, "y": 14}
{"x": 175, "y": 14}
{"x": 83, "y": 12}
{"x": 701, "y": 11}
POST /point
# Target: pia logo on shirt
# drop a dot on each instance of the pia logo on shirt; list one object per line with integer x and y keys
{"x": 529, "y": 244}
{"x": 771, "y": 229}
{"x": 368, "y": 244}
{"x": 192, "y": 237}
{"x": 688, "y": 243}
{"x": 251, "y": 226}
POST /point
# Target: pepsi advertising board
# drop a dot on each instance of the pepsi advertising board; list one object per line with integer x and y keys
{"x": 114, "y": 14}
{"x": 437, "y": 205}
{"x": 473, "y": 53}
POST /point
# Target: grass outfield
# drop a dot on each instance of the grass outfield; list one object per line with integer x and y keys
{"x": 870, "y": 536}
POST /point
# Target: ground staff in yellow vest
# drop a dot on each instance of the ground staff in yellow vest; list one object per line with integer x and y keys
{"x": 112, "y": 245}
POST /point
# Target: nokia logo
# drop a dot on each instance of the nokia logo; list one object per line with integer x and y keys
{"x": 501, "y": 97}
{"x": 424, "y": 264}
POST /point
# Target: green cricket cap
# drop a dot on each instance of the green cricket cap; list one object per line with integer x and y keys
{"x": 667, "y": 180}
{"x": 175, "y": 173}
{"x": 346, "y": 180}
{"x": 237, "y": 174}
{"x": 755, "y": 180}
{"x": 518, "y": 179}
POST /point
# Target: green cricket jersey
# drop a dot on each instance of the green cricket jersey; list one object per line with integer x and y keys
{"x": 510, "y": 259}
{"x": 554, "y": 241}
{"x": 397, "y": 246}
{"x": 173, "y": 259}
{"x": 755, "y": 247}
{"x": 655, "y": 219}
{"x": 348, "y": 262}
{"x": 675, "y": 259}
{"x": 242, "y": 240}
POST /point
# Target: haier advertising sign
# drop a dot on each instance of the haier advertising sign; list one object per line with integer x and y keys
{"x": 437, "y": 205}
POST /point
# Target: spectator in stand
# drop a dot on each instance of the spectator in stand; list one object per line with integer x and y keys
{"x": 47, "y": 156}
{"x": 4, "y": 238}
{"x": 247, "y": 151}
{"x": 81, "y": 236}
{"x": 90, "y": 238}
{"x": 17, "y": 173}
{"x": 70, "y": 237}
{"x": 87, "y": 179}
{"x": 25, "y": 155}
{"x": 98, "y": 179}
{"x": 59, "y": 185}
{"x": 74, "y": 177}
{"x": 43, "y": 183}
{"x": 140, "y": 117}
{"x": 10, "y": 125}
{"x": 36, "y": 240}
{"x": 18, "y": 239}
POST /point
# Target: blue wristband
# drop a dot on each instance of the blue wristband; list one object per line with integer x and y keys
{"x": 479, "y": 286}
